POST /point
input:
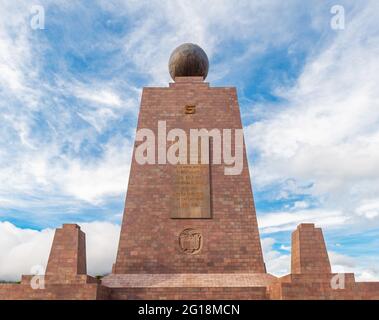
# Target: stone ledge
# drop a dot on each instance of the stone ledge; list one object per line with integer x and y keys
{"x": 189, "y": 280}
{"x": 69, "y": 291}
{"x": 62, "y": 279}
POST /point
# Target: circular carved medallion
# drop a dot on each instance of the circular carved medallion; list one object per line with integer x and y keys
{"x": 190, "y": 241}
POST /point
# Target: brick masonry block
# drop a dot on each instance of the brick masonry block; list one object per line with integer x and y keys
{"x": 149, "y": 241}
{"x": 309, "y": 253}
{"x": 150, "y": 264}
{"x": 68, "y": 253}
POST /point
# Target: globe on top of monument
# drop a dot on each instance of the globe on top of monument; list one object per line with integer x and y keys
{"x": 188, "y": 60}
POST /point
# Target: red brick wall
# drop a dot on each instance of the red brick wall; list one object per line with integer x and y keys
{"x": 318, "y": 287}
{"x": 149, "y": 237}
{"x": 68, "y": 252}
{"x": 293, "y": 289}
{"x": 53, "y": 292}
{"x": 309, "y": 253}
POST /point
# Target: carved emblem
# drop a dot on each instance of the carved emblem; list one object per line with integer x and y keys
{"x": 190, "y": 109}
{"x": 190, "y": 241}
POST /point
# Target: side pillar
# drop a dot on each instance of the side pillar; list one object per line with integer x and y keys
{"x": 68, "y": 253}
{"x": 311, "y": 275}
{"x": 309, "y": 253}
{"x": 66, "y": 273}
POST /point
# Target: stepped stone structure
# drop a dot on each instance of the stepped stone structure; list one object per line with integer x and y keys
{"x": 66, "y": 273}
{"x": 68, "y": 253}
{"x": 311, "y": 276}
{"x": 189, "y": 230}
{"x": 309, "y": 253}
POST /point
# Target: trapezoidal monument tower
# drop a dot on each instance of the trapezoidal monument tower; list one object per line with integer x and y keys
{"x": 188, "y": 218}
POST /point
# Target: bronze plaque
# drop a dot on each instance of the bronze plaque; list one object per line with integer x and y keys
{"x": 192, "y": 191}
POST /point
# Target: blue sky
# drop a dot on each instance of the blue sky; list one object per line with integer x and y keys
{"x": 69, "y": 99}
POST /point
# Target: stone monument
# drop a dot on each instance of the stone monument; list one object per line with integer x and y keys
{"x": 172, "y": 209}
{"x": 189, "y": 229}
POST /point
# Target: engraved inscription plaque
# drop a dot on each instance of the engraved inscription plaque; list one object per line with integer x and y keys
{"x": 192, "y": 192}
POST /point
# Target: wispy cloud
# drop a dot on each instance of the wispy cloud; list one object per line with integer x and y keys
{"x": 278, "y": 262}
{"x": 69, "y": 98}
{"x": 326, "y": 133}
{"x": 287, "y": 221}
{"x": 21, "y": 250}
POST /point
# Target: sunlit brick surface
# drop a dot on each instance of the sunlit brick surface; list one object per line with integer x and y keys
{"x": 309, "y": 253}
{"x": 149, "y": 241}
{"x": 150, "y": 263}
{"x": 68, "y": 252}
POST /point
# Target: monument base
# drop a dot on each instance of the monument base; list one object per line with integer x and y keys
{"x": 333, "y": 286}
{"x": 189, "y": 286}
{"x": 310, "y": 278}
{"x": 83, "y": 287}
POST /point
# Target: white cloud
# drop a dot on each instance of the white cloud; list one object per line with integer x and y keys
{"x": 47, "y": 172}
{"x": 102, "y": 96}
{"x": 23, "y": 249}
{"x": 279, "y": 264}
{"x": 300, "y": 205}
{"x": 159, "y": 26}
{"x": 285, "y": 248}
{"x": 14, "y": 51}
{"x": 276, "y": 263}
{"x": 108, "y": 176}
{"x": 369, "y": 209}
{"x": 102, "y": 243}
{"x": 288, "y": 221}
{"x": 364, "y": 269}
{"x": 46, "y": 123}
{"x": 327, "y": 133}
